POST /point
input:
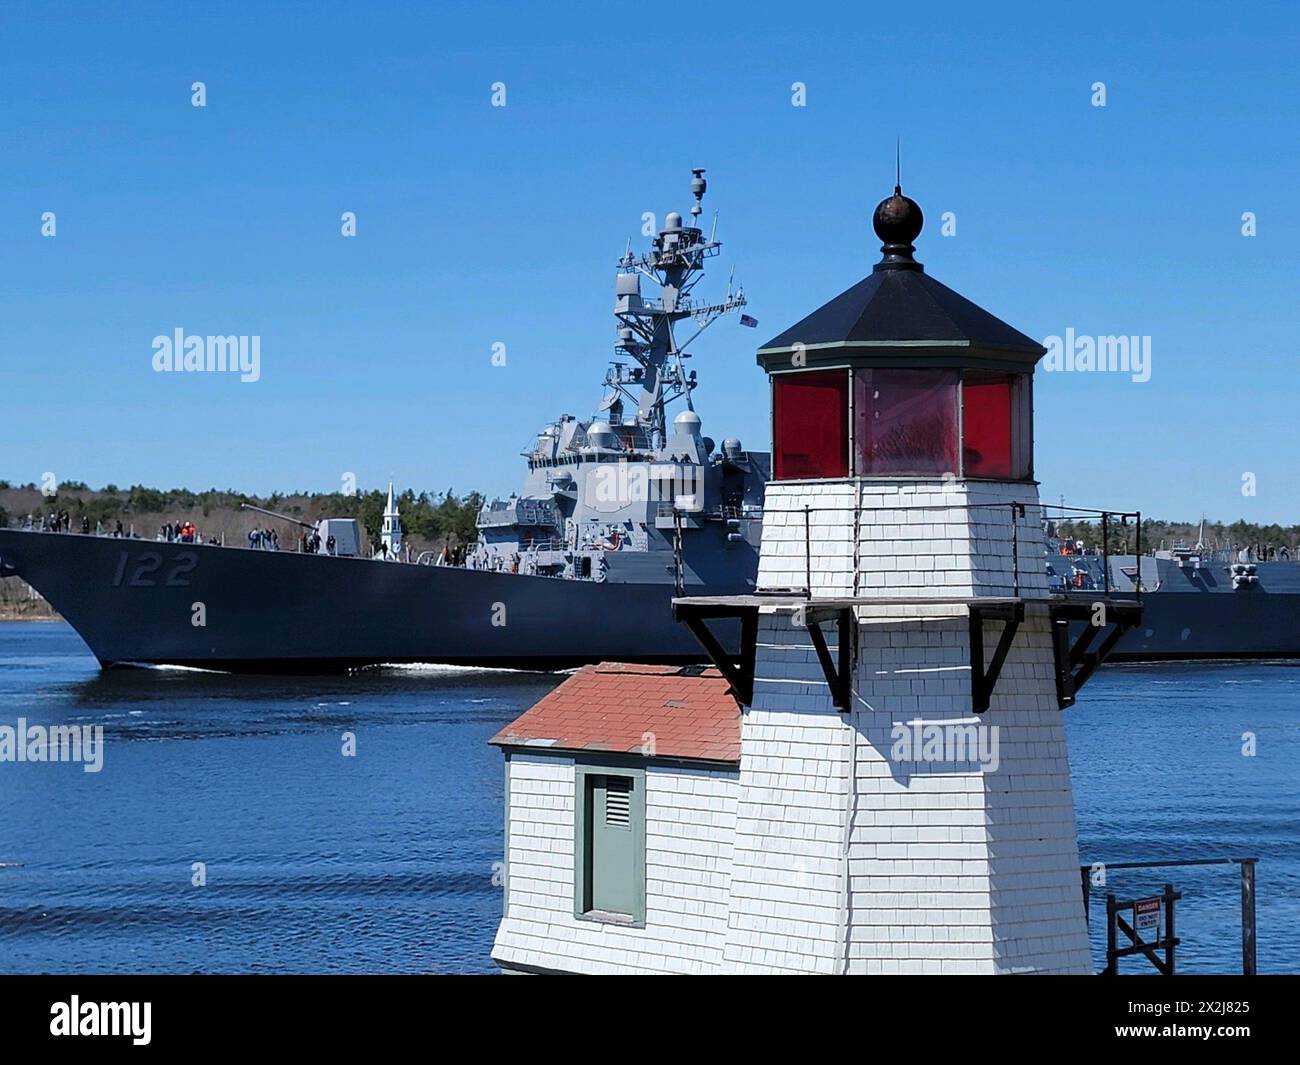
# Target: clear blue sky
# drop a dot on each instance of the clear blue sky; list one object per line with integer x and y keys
{"x": 479, "y": 224}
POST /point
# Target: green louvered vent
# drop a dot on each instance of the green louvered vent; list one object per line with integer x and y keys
{"x": 618, "y": 801}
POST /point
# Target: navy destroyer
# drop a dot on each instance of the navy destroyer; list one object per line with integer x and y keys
{"x": 1199, "y": 601}
{"x": 619, "y": 512}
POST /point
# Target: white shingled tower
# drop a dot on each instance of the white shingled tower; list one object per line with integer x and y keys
{"x": 904, "y": 791}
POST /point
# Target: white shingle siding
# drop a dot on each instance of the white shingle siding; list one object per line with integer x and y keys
{"x": 960, "y": 870}
{"x": 690, "y": 822}
{"x": 948, "y": 870}
{"x": 786, "y": 881}
{"x": 929, "y": 539}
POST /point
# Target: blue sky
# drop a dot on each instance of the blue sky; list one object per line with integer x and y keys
{"x": 479, "y": 224}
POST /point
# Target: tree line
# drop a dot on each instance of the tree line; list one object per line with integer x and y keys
{"x": 432, "y": 517}
{"x": 1157, "y": 532}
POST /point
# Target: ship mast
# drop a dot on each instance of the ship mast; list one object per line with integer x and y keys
{"x": 675, "y": 262}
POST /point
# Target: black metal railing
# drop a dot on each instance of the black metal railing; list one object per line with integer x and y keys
{"x": 1019, "y": 512}
{"x": 1110, "y": 522}
{"x": 1248, "y": 967}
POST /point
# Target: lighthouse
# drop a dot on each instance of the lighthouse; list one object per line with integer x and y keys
{"x": 906, "y": 803}
{"x": 873, "y": 775}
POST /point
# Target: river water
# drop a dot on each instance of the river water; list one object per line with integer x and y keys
{"x": 386, "y": 861}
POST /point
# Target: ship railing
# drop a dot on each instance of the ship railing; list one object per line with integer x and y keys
{"x": 746, "y": 510}
{"x": 667, "y": 508}
{"x": 549, "y": 543}
{"x": 1025, "y": 525}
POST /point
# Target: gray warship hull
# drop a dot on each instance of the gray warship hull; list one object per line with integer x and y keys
{"x": 1196, "y": 611}
{"x": 1207, "y": 626}
{"x": 136, "y": 602}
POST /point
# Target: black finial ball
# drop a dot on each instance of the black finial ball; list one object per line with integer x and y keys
{"x": 898, "y": 220}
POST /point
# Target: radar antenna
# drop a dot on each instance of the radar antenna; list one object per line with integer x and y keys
{"x": 675, "y": 263}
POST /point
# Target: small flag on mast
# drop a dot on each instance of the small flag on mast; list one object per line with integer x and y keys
{"x": 747, "y": 320}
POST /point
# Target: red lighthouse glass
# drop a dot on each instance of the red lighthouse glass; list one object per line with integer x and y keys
{"x": 905, "y": 422}
{"x": 810, "y": 413}
{"x": 987, "y": 412}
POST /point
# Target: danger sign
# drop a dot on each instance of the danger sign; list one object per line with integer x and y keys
{"x": 1146, "y": 915}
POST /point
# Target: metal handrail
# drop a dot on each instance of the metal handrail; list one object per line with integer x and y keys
{"x": 551, "y": 543}
{"x": 1248, "y": 966}
{"x": 1018, "y": 510}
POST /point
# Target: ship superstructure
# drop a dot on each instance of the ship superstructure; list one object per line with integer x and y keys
{"x": 626, "y": 481}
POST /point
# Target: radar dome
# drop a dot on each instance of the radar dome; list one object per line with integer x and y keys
{"x": 673, "y": 221}
{"x": 687, "y": 423}
{"x": 731, "y": 447}
{"x": 600, "y": 434}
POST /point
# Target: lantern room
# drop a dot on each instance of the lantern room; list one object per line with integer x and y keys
{"x": 900, "y": 377}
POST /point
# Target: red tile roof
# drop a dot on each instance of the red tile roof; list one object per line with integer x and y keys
{"x": 618, "y": 708}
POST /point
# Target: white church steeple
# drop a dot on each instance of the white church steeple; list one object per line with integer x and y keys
{"x": 392, "y": 535}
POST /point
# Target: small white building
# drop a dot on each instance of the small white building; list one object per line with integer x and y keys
{"x": 900, "y": 798}
{"x": 621, "y": 793}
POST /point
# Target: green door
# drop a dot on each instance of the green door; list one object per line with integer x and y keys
{"x": 612, "y": 857}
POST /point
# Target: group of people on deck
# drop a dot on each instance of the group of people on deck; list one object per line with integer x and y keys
{"x": 264, "y": 539}
{"x": 1265, "y": 553}
{"x": 310, "y": 543}
{"x": 179, "y": 532}
{"x": 451, "y": 556}
{"x": 55, "y": 521}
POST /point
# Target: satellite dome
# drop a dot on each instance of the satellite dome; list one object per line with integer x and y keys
{"x": 731, "y": 447}
{"x": 600, "y": 434}
{"x": 673, "y": 221}
{"x": 688, "y": 423}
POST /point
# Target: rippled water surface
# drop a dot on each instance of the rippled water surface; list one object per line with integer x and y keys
{"x": 384, "y": 862}
{"x": 1156, "y": 753}
{"x": 315, "y": 862}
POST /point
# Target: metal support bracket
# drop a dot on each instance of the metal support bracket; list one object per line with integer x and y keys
{"x": 984, "y": 679}
{"x": 1077, "y": 661}
{"x": 838, "y": 671}
{"x": 738, "y": 669}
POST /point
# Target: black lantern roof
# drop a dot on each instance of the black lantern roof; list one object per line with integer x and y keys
{"x": 900, "y": 316}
